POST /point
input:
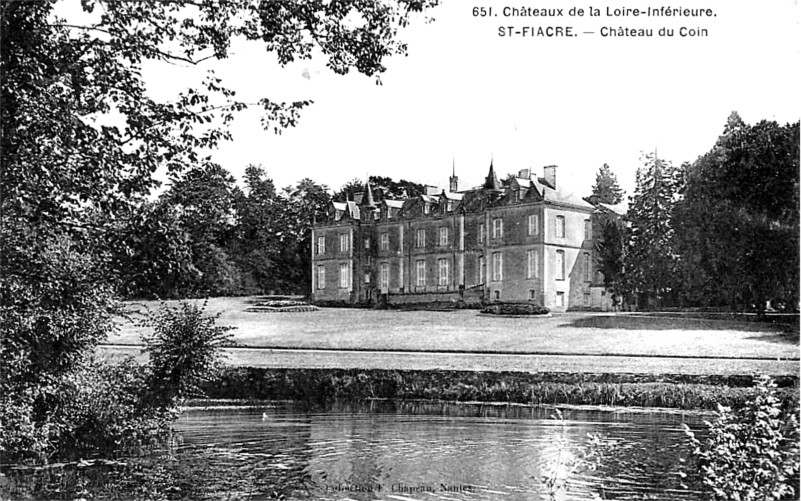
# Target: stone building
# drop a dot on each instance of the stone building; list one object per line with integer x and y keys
{"x": 522, "y": 240}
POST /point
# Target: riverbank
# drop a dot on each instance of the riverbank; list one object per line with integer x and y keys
{"x": 322, "y": 386}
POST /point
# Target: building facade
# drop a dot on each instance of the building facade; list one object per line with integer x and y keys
{"x": 521, "y": 240}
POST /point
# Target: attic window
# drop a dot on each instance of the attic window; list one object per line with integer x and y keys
{"x": 426, "y": 208}
{"x": 449, "y": 206}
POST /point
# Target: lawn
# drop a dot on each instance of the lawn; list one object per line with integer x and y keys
{"x": 466, "y": 330}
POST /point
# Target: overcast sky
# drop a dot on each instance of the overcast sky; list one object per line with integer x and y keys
{"x": 466, "y": 95}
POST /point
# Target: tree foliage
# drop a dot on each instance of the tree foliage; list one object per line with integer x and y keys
{"x": 606, "y": 189}
{"x": 651, "y": 258}
{"x": 383, "y": 187}
{"x": 737, "y": 226}
{"x": 81, "y": 139}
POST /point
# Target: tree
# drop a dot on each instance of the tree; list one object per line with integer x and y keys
{"x": 307, "y": 202}
{"x": 610, "y": 253}
{"x": 606, "y": 190}
{"x": 81, "y": 139}
{"x": 204, "y": 199}
{"x": 737, "y": 225}
{"x": 383, "y": 187}
{"x": 651, "y": 259}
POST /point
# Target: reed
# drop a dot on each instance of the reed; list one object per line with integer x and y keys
{"x": 332, "y": 385}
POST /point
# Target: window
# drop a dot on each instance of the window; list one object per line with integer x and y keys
{"x": 320, "y": 245}
{"x": 426, "y": 208}
{"x": 366, "y": 243}
{"x": 497, "y": 228}
{"x": 443, "y": 271}
{"x": 586, "y": 299}
{"x": 344, "y": 240}
{"x": 532, "y": 295}
{"x": 533, "y": 224}
{"x": 321, "y": 277}
{"x": 560, "y": 265}
{"x": 497, "y": 266}
{"x": 449, "y": 206}
{"x": 443, "y": 235}
{"x": 481, "y": 233}
{"x": 421, "y": 238}
{"x": 587, "y": 268}
{"x": 384, "y": 241}
{"x": 560, "y": 226}
{"x": 587, "y": 229}
{"x": 482, "y": 270}
{"x": 383, "y": 276}
{"x": 560, "y": 299}
{"x": 344, "y": 279}
{"x": 497, "y": 294}
{"x": 367, "y": 278}
{"x": 421, "y": 273}
{"x": 533, "y": 269}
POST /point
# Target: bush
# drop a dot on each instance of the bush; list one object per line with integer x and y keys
{"x": 752, "y": 453}
{"x": 515, "y": 309}
{"x": 98, "y": 408}
{"x": 184, "y": 351}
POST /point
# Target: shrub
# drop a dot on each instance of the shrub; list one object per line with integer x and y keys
{"x": 515, "y": 309}
{"x": 184, "y": 350}
{"x": 752, "y": 453}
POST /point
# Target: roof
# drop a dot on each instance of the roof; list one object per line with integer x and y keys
{"x": 353, "y": 209}
{"x": 452, "y": 196}
{"x": 395, "y": 204}
{"x": 620, "y": 209}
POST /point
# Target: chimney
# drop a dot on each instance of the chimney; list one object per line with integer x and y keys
{"x": 549, "y": 173}
{"x": 524, "y": 173}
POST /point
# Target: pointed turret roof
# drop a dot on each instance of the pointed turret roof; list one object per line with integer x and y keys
{"x": 491, "y": 183}
{"x": 368, "y": 198}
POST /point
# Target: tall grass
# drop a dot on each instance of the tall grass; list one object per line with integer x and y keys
{"x": 331, "y": 385}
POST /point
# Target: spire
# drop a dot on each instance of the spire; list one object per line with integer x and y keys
{"x": 368, "y": 198}
{"x": 491, "y": 183}
{"x": 454, "y": 181}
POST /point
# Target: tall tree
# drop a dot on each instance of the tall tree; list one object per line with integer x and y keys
{"x": 606, "y": 190}
{"x": 738, "y": 222}
{"x": 69, "y": 169}
{"x": 651, "y": 259}
{"x": 610, "y": 253}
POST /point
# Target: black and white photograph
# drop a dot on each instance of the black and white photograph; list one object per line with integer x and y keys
{"x": 401, "y": 250}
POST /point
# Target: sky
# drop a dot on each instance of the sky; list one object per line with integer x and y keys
{"x": 465, "y": 96}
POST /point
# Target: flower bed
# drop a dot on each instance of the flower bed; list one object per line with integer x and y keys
{"x": 515, "y": 309}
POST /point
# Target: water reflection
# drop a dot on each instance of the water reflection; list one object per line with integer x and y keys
{"x": 442, "y": 451}
{"x": 396, "y": 451}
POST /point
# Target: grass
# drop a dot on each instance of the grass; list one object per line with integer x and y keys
{"x": 466, "y": 331}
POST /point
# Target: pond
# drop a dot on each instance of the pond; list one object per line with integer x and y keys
{"x": 415, "y": 451}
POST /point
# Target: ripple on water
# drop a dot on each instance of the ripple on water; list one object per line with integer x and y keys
{"x": 436, "y": 451}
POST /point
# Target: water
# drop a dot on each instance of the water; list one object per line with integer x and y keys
{"x": 413, "y": 451}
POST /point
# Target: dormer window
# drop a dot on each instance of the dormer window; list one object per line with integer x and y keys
{"x": 426, "y": 208}
{"x": 449, "y": 205}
